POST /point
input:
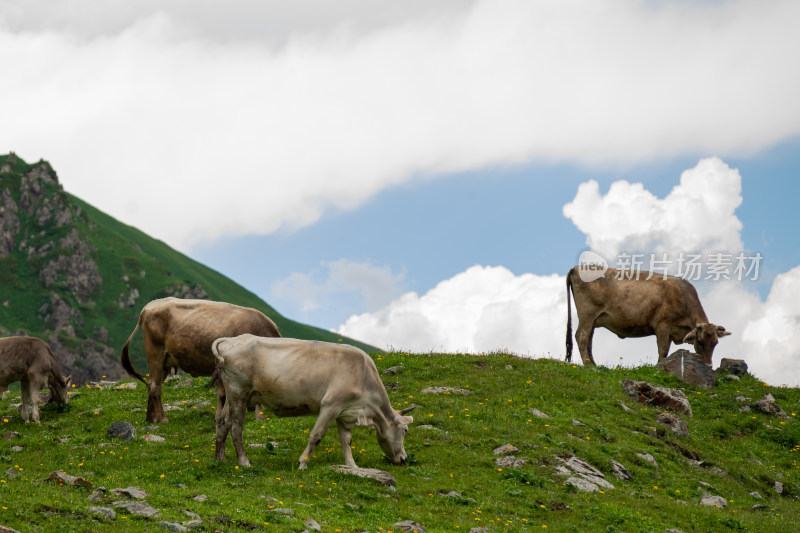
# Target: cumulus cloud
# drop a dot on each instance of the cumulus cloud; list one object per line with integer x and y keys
{"x": 375, "y": 286}
{"x": 197, "y": 121}
{"x": 482, "y": 309}
{"x": 697, "y": 215}
{"x": 491, "y": 308}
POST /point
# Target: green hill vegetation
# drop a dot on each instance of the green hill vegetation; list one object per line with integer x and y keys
{"x": 452, "y": 482}
{"x": 77, "y": 278}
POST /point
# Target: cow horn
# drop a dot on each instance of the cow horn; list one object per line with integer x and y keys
{"x": 408, "y": 409}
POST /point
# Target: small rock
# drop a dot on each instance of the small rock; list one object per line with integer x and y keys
{"x": 675, "y": 423}
{"x": 769, "y": 407}
{"x": 384, "y": 478}
{"x": 62, "y": 478}
{"x": 756, "y": 495}
{"x": 410, "y": 526}
{"x": 451, "y": 494}
{"x": 624, "y": 407}
{"x": 153, "y": 438}
{"x": 509, "y": 367}
{"x": 103, "y": 512}
{"x": 581, "y": 484}
{"x": 393, "y": 370}
{"x": 283, "y": 511}
{"x": 130, "y": 385}
{"x": 510, "y": 461}
{"x": 649, "y": 458}
{"x": 713, "y": 501}
{"x": 778, "y": 487}
{"x": 736, "y": 367}
{"x": 741, "y": 398}
{"x": 98, "y": 494}
{"x": 185, "y": 384}
{"x": 310, "y": 523}
{"x": 172, "y": 526}
{"x": 16, "y": 449}
{"x": 131, "y": 492}
{"x": 538, "y": 413}
{"x": 481, "y": 529}
{"x": 440, "y": 390}
{"x": 193, "y": 524}
{"x": 505, "y": 448}
{"x": 578, "y": 423}
{"x": 620, "y": 472}
{"x": 200, "y": 498}
{"x": 122, "y": 430}
{"x": 138, "y": 508}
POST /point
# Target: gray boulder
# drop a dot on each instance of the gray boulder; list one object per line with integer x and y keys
{"x": 737, "y": 367}
{"x": 689, "y": 368}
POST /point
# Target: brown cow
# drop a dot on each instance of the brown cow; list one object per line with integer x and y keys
{"x": 630, "y": 305}
{"x": 30, "y": 361}
{"x": 178, "y": 334}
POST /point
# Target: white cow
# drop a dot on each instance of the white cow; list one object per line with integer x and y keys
{"x": 292, "y": 377}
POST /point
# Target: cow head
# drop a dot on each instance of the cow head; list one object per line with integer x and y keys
{"x": 391, "y": 436}
{"x": 704, "y": 337}
{"x": 59, "y": 389}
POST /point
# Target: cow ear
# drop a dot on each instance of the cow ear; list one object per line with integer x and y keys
{"x": 721, "y": 332}
{"x": 404, "y": 420}
{"x": 68, "y": 380}
{"x": 691, "y": 336}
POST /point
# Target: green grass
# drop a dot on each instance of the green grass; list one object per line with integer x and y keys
{"x": 740, "y": 453}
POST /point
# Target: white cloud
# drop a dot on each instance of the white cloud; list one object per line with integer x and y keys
{"x": 481, "y": 309}
{"x": 490, "y": 308}
{"x": 195, "y": 122}
{"x": 375, "y": 286}
{"x": 697, "y": 215}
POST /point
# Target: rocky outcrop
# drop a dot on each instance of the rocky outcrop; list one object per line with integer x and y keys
{"x": 671, "y": 399}
{"x": 9, "y": 223}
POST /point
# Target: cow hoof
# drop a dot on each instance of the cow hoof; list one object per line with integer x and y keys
{"x": 302, "y": 466}
{"x": 245, "y": 463}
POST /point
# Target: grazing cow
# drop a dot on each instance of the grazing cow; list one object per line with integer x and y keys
{"x": 630, "y": 305}
{"x": 30, "y": 361}
{"x": 292, "y": 377}
{"x": 178, "y": 334}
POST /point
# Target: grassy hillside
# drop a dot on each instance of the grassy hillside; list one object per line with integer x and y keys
{"x": 730, "y": 453}
{"x": 77, "y": 278}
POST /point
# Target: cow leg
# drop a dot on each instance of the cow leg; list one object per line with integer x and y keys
{"x": 663, "y": 340}
{"x": 326, "y": 418}
{"x": 25, "y": 388}
{"x": 236, "y": 409}
{"x": 155, "y": 409}
{"x": 346, "y": 438}
{"x": 584, "y": 337}
{"x": 259, "y": 410}
{"x": 223, "y": 420}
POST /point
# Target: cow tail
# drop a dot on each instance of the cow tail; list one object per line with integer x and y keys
{"x": 568, "y": 358}
{"x": 126, "y": 359}
{"x": 218, "y": 365}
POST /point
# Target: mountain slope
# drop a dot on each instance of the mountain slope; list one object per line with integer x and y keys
{"x": 77, "y": 278}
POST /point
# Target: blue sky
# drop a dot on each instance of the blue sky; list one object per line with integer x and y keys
{"x": 427, "y": 231}
{"x": 422, "y": 175}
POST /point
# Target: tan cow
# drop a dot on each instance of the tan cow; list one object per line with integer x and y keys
{"x": 178, "y": 334}
{"x": 30, "y": 361}
{"x": 292, "y": 377}
{"x": 630, "y": 305}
